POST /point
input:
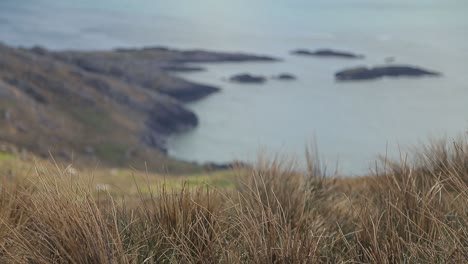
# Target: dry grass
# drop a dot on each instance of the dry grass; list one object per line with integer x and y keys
{"x": 404, "y": 213}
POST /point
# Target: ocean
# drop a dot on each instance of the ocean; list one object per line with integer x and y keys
{"x": 351, "y": 123}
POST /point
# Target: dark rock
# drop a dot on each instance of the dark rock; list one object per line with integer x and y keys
{"x": 328, "y": 53}
{"x": 210, "y": 57}
{"x": 166, "y": 118}
{"x": 174, "y": 68}
{"x": 285, "y": 77}
{"x": 188, "y": 91}
{"x": 155, "y": 140}
{"x": 247, "y": 78}
{"x": 364, "y": 73}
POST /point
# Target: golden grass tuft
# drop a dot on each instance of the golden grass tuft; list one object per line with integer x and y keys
{"x": 409, "y": 212}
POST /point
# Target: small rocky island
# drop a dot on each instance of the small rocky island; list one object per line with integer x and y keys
{"x": 285, "y": 77}
{"x": 365, "y": 73}
{"x": 327, "y": 53}
{"x": 246, "y": 78}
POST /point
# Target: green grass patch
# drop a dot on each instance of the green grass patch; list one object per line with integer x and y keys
{"x": 218, "y": 182}
{"x": 113, "y": 152}
{"x": 6, "y": 156}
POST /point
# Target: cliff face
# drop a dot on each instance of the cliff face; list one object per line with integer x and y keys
{"x": 116, "y": 107}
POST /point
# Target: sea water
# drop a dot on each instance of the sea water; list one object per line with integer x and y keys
{"x": 352, "y": 123}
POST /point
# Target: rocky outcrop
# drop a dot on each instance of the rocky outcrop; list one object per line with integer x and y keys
{"x": 172, "y": 68}
{"x": 187, "y": 91}
{"x": 170, "y": 117}
{"x": 201, "y": 56}
{"x": 164, "y": 118}
{"x": 248, "y": 79}
{"x": 327, "y": 53}
{"x": 364, "y": 73}
{"x": 150, "y": 67}
{"x": 285, "y": 77}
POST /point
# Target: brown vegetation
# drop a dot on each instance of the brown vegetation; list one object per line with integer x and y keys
{"x": 403, "y": 213}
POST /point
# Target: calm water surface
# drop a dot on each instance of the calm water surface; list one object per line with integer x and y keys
{"x": 351, "y": 122}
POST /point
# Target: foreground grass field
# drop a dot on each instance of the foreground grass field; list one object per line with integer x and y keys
{"x": 402, "y": 213}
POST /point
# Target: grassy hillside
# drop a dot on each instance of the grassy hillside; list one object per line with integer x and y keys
{"x": 403, "y": 213}
{"x": 115, "y": 108}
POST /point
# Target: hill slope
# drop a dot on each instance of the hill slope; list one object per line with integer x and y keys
{"x": 114, "y": 107}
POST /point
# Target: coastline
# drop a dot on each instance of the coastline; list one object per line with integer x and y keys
{"x": 126, "y": 98}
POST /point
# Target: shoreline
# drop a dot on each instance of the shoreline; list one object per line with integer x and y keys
{"x": 125, "y": 99}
